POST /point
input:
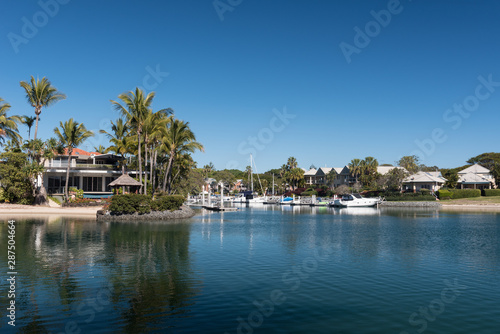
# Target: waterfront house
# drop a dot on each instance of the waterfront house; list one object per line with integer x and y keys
{"x": 432, "y": 181}
{"x": 90, "y": 171}
{"x": 475, "y": 177}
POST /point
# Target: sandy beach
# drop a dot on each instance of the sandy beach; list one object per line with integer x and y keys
{"x": 8, "y": 210}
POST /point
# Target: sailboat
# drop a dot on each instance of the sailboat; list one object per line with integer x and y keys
{"x": 251, "y": 199}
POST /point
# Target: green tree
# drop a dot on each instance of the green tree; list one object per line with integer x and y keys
{"x": 40, "y": 94}
{"x": 15, "y": 185}
{"x": 8, "y": 124}
{"x": 177, "y": 139}
{"x": 294, "y": 177}
{"x": 71, "y": 134}
{"x": 135, "y": 107}
{"x": 410, "y": 163}
{"x": 451, "y": 176}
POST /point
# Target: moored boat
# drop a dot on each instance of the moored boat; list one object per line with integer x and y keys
{"x": 355, "y": 200}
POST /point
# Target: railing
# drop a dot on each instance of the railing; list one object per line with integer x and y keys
{"x": 58, "y": 164}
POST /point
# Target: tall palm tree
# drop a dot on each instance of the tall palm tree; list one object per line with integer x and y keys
{"x": 41, "y": 93}
{"x": 8, "y": 124}
{"x": 71, "y": 134}
{"x": 120, "y": 140}
{"x": 355, "y": 168}
{"x": 135, "y": 108}
{"x": 29, "y": 121}
{"x": 154, "y": 123}
{"x": 177, "y": 140}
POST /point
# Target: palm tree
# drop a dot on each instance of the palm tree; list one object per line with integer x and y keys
{"x": 136, "y": 107}
{"x": 71, "y": 134}
{"x": 41, "y": 93}
{"x": 330, "y": 178}
{"x": 291, "y": 163}
{"x": 355, "y": 168}
{"x": 8, "y": 124}
{"x": 120, "y": 140}
{"x": 100, "y": 149}
{"x": 207, "y": 169}
{"x": 29, "y": 121}
{"x": 177, "y": 140}
{"x": 152, "y": 129}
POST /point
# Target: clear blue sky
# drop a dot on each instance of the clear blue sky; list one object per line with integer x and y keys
{"x": 230, "y": 77}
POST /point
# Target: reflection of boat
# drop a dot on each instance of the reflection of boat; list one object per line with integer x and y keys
{"x": 359, "y": 211}
{"x": 355, "y": 200}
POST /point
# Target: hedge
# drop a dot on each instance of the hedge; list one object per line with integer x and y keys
{"x": 490, "y": 192}
{"x": 444, "y": 194}
{"x": 132, "y": 203}
{"x": 465, "y": 193}
{"x": 408, "y": 197}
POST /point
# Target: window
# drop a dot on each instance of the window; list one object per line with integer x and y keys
{"x": 57, "y": 183}
{"x": 92, "y": 184}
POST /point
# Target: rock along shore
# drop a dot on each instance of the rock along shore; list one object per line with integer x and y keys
{"x": 183, "y": 212}
{"x": 422, "y": 204}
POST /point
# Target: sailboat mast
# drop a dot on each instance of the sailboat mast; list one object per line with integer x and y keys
{"x": 251, "y": 172}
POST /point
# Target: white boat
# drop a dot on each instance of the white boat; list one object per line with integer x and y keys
{"x": 286, "y": 201}
{"x": 355, "y": 200}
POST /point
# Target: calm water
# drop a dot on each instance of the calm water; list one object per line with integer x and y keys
{"x": 259, "y": 270}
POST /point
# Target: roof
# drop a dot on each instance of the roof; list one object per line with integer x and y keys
{"x": 386, "y": 169}
{"x": 125, "y": 180}
{"x": 77, "y": 151}
{"x": 325, "y": 170}
{"x": 310, "y": 172}
{"x": 476, "y": 169}
{"x": 424, "y": 177}
{"x": 472, "y": 179}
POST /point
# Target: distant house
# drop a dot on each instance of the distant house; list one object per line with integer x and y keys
{"x": 90, "y": 171}
{"x": 344, "y": 177}
{"x": 475, "y": 177}
{"x": 432, "y": 181}
{"x": 317, "y": 176}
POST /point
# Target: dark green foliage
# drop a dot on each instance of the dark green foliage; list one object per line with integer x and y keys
{"x": 408, "y": 197}
{"x": 130, "y": 203}
{"x": 490, "y": 192}
{"x": 309, "y": 193}
{"x": 16, "y": 185}
{"x": 465, "y": 193}
{"x": 444, "y": 194}
{"x": 167, "y": 203}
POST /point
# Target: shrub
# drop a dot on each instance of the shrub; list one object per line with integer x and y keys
{"x": 465, "y": 193}
{"x": 167, "y": 203}
{"x": 309, "y": 193}
{"x": 444, "y": 194}
{"x": 408, "y": 197}
{"x": 130, "y": 203}
{"x": 490, "y": 192}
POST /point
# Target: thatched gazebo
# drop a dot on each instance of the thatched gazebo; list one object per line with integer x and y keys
{"x": 126, "y": 181}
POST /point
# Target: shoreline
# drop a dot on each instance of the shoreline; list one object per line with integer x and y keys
{"x": 7, "y": 210}
{"x": 17, "y": 210}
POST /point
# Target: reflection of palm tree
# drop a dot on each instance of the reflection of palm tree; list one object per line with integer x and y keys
{"x": 158, "y": 278}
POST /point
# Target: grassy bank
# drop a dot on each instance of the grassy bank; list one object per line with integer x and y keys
{"x": 473, "y": 201}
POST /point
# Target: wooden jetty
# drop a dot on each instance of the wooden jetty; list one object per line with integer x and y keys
{"x": 218, "y": 208}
